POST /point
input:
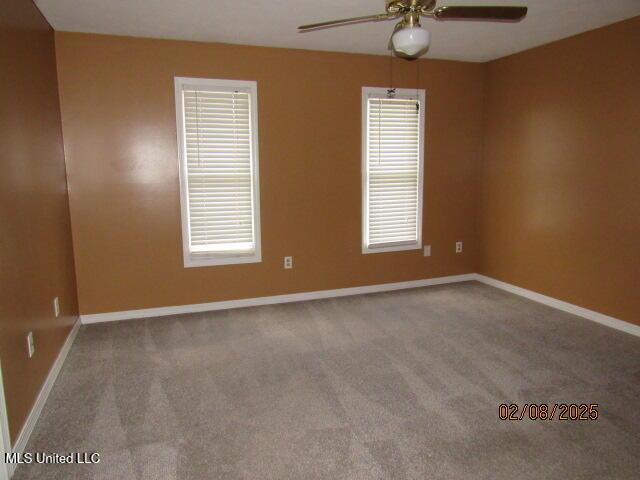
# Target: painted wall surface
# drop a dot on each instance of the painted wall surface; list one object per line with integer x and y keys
{"x": 119, "y": 121}
{"x": 36, "y": 255}
{"x": 561, "y": 179}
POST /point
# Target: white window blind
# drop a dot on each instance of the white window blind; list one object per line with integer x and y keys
{"x": 219, "y": 171}
{"x": 392, "y": 169}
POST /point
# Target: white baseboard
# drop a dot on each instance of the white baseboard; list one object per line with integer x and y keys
{"x": 253, "y": 302}
{"x": 343, "y": 292}
{"x": 21, "y": 443}
{"x": 564, "y": 306}
{"x": 5, "y": 445}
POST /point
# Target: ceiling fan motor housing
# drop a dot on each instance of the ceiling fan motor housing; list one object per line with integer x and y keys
{"x": 410, "y": 6}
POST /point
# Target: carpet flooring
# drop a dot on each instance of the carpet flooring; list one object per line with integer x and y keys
{"x": 399, "y": 385}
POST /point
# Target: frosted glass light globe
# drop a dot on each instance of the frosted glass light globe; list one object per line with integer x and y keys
{"x": 410, "y": 40}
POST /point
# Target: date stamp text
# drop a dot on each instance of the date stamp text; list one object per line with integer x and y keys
{"x": 547, "y": 411}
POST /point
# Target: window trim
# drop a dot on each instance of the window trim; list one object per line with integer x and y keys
{"x": 369, "y": 92}
{"x": 221, "y": 258}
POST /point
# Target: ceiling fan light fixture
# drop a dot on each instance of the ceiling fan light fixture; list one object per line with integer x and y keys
{"x": 411, "y": 40}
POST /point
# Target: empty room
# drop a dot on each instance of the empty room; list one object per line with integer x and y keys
{"x": 320, "y": 239}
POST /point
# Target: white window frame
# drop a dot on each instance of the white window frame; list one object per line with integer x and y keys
{"x": 376, "y": 92}
{"x": 217, "y": 258}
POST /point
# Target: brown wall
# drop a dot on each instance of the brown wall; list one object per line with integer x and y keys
{"x": 561, "y": 183}
{"x": 36, "y": 257}
{"x": 118, "y": 113}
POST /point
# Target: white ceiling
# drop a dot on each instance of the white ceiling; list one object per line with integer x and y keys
{"x": 273, "y": 23}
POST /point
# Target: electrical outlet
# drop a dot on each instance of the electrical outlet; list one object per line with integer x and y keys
{"x": 56, "y": 307}
{"x": 30, "y": 345}
{"x": 288, "y": 262}
{"x": 427, "y": 250}
{"x": 458, "y": 247}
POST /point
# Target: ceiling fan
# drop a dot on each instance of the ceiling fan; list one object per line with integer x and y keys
{"x": 409, "y": 39}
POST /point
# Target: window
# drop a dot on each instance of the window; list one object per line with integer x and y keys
{"x": 217, "y": 124}
{"x": 392, "y": 169}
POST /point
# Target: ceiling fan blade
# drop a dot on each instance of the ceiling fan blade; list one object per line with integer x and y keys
{"x": 344, "y": 21}
{"x": 455, "y": 12}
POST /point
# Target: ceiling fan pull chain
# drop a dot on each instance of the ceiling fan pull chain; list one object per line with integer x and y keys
{"x": 391, "y": 92}
{"x": 418, "y": 86}
{"x": 390, "y": 71}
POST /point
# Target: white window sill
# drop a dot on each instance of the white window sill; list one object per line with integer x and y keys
{"x": 391, "y": 248}
{"x": 227, "y": 259}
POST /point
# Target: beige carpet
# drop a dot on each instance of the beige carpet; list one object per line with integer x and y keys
{"x": 402, "y": 385}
